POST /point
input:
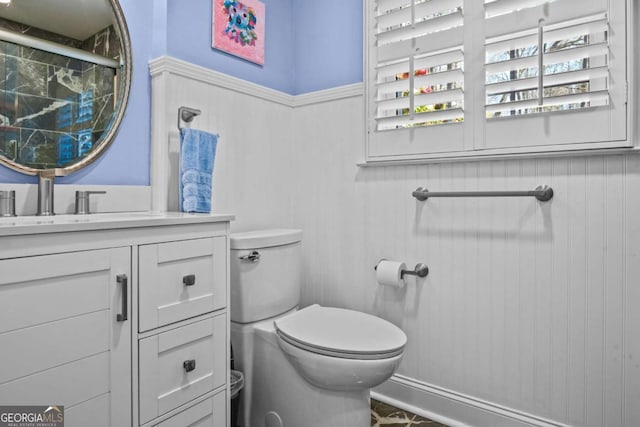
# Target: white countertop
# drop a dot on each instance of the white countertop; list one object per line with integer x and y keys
{"x": 13, "y": 226}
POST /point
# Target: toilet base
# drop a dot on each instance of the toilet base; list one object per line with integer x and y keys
{"x": 276, "y": 393}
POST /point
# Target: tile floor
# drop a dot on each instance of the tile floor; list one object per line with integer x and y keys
{"x": 383, "y": 415}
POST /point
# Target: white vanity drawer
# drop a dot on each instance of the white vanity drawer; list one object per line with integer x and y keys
{"x": 208, "y": 413}
{"x": 179, "y": 280}
{"x": 179, "y": 365}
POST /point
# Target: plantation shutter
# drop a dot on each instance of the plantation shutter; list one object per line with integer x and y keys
{"x": 550, "y": 72}
{"x": 416, "y": 76}
{"x": 499, "y": 77}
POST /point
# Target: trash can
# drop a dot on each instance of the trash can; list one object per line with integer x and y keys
{"x": 237, "y": 383}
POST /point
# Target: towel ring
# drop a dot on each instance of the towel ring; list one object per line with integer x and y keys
{"x": 187, "y": 114}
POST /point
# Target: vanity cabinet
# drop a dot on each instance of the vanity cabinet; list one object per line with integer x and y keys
{"x": 120, "y": 318}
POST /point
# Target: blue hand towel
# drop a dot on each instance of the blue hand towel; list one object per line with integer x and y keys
{"x": 197, "y": 157}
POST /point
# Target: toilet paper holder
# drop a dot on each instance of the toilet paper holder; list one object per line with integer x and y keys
{"x": 420, "y": 270}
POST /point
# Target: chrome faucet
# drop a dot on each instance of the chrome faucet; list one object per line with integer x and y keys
{"x": 7, "y": 203}
{"x": 45, "y": 192}
{"x": 82, "y": 201}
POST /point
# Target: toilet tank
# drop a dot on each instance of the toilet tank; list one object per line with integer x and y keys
{"x": 265, "y": 273}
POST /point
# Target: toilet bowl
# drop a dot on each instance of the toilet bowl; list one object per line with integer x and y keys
{"x": 340, "y": 349}
{"x": 307, "y": 367}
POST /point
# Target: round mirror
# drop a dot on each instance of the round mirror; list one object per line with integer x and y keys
{"x": 65, "y": 71}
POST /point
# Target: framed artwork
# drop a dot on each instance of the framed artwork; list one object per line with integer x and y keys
{"x": 238, "y": 28}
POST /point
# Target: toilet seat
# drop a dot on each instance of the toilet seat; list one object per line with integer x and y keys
{"x": 341, "y": 333}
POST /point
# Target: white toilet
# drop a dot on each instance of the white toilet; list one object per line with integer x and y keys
{"x": 303, "y": 368}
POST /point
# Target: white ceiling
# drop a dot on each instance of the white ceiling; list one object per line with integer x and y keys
{"x": 78, "y": 19}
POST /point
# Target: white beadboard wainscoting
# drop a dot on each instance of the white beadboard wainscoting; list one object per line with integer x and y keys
{"x": 254, "y": 160}
{"x": 530, "y": 314}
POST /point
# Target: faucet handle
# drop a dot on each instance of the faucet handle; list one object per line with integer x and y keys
{"x": 82, "y": 201}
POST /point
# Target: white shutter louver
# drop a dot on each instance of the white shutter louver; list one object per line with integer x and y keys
{"x": 419, "y": 63}
{"x": 544, "y": 68}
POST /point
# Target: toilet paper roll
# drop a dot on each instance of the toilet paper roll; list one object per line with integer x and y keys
{"x": 389, "y": 273}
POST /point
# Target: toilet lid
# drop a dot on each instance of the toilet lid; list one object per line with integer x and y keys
{"x": 341, "y": 333}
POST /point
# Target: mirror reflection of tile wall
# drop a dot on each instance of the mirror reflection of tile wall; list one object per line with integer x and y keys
{"x": 53, "y": 108}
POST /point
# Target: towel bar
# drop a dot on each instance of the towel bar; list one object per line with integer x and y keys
{"x": 543, "y": 193}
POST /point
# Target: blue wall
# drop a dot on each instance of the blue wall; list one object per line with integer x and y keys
{"x": 189, "y": 39}
{"x": 310, "y": 45}
{"x": 328, "y": 44}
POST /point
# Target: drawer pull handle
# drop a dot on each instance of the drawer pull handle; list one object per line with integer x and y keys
{"x": 189, "y": 365}
{"x": 124, "y": 281}
{"x": 253, "y": 256}
{"x": 189, "y": 280}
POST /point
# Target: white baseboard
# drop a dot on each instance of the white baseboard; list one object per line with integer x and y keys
{"x": 118, "y": 198}
{"x": 452, "y": 408}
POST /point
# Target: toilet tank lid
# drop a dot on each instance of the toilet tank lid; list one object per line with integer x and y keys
{"x": 264, "y": 238}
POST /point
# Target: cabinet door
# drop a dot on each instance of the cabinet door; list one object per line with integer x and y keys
{"x": 62, "y": 339}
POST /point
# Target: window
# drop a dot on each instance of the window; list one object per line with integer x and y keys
{"x": 443, "y": 81}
